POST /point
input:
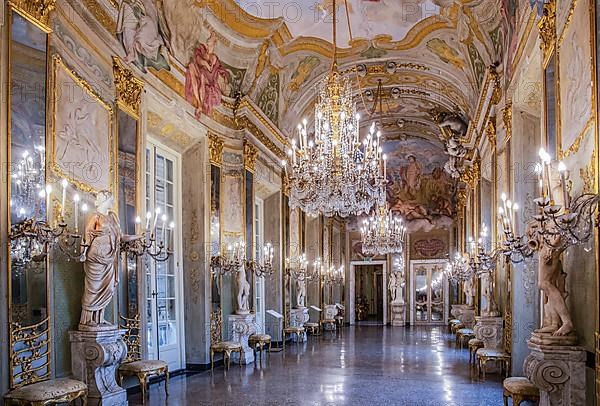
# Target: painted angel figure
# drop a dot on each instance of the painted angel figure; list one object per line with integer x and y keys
{"x": 143, "y": 31}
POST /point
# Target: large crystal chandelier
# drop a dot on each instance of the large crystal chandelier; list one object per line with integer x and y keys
{"x": 332, "y": 172}
{"x": 383, "y": 233}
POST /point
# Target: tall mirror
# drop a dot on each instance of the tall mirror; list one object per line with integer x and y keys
{"x": 215, "y": 234}
{"x": 550, "y": 105}
{"x": 28, "y": 280}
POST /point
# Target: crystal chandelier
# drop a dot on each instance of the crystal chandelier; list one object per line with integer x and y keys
{"x": 332, "y": 172}
{"x": 382, "y": 233}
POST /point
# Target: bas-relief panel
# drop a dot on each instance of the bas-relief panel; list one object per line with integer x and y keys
{"x": 232, "y": 202}
{"x": 419, "y": 189}
{"x": 575, "y": 76}
{"x": 82, "y": 147}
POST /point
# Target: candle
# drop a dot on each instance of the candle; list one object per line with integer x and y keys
{"x": 164, "y": 228}
{"x": 76, "y": 202}
{"x": 515, "y": 208}
{"x": 172, "y": 230}
{"x": 84, "y": 209}
{"x": 148, "y": 217}
{"x": 384, "y": 166}
{"x": 538, "y": 171}
{"x": 64, "y": 184}
{"x": 156, "y": 213}
{"x": 562, "y": 169}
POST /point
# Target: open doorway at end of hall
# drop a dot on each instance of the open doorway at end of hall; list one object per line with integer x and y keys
{"x": 369, "y": 294}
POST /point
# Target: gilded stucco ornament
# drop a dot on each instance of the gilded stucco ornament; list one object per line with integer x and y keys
{"x": 472, "y": 174}
{"x": 490, "y": 131}
{"x": 215, "y": 149}
{"x": 250, "y": 155}
{"x": 507, "y": 119}
{"x": 128, "y": 88}
{"x": 547, "y": 27}
{"x": 36, "y": 11}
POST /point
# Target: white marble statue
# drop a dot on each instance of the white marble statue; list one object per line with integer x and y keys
{"x": 300, "y": 293}
{"x": 469, "y": 289}
{"x": 551, "y": 280}
{"x": 488, "y": 307}
{"x": 243, "y": 291}
{"x": 99, "y": 257}
{"x": 395, "y": 286}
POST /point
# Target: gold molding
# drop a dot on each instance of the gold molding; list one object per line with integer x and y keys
{"x": 574, "y": 147}
{"x": 35, "y": 11}
{"x": 128, "y": 88}
{"x": 547, "y": 28}
{"x": 100, "y": 14}
{"x": 285, "y": 184}
{"x": 215, "y": 149}
{"x": 507, "y": 119}
{"x": 472, "y": 174}
{"x": 490, "y": 131}
{"x": 250, "y": 155}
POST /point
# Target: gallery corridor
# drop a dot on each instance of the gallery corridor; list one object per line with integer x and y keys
{"x": 367, "y": 365}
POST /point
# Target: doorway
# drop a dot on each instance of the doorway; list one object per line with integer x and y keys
{"x": 164, "y": 292}
{"x": 428, "y": 293}
{"x": 369, "y": 294}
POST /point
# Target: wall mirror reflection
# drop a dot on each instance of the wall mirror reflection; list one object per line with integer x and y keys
{"x": 28, "y": 282}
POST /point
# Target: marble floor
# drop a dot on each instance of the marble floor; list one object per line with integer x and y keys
{"x": 366, "y": 365}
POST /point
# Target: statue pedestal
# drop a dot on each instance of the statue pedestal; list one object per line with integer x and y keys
{"x": 557, "y": 370}
{"x": 464, "y": 313}
{"x": 490, "y": 330}
{"x": 398, "y": 314}
{"x": 298, "y": 317}
{"x": 242, "y": 327}
{"x": 95, "y": 357}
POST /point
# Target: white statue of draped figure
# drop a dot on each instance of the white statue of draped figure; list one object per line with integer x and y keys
{"x": 100, "y": 263}
{"x": 469, "y": 289}
{"x": 395, "y": 286}
{"x": 300, "y": 293}
{"x": 243, "y": 291}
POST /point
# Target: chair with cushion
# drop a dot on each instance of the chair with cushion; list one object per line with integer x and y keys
{"x": 474, "y": 345}
{"x": 452, "y": 323}
{"x": 485, "y": 355}
{"x": 217, "y": 345}
{"x": 134, "y": 365}
{"x": 30, "y": 370}
{"x": 259, "y": 341}
{"x": 290, "y": 331}
{"x": 520, "y": 389}
{"x": 463, "y": 336}
{"x": 313, "y": 329}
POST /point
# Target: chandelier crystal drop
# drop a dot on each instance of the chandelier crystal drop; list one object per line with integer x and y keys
{"x": 383, "y": 233}
{"x": 331, "y": 172}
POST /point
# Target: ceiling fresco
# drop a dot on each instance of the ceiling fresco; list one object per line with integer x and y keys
{"x": 428, "y": 56}
{"x": 368, "y": 18}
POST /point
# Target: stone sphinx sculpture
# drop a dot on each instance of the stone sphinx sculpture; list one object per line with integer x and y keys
{"x": 243, "y": 291}
{"x": 99, "y": 257}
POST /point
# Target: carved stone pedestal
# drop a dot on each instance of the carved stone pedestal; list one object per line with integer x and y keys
{"x": 298, "y": 317}
{"x": 558, "y": 371}
{"x": 464, "y": 313}
{"x": 242, "y": 327}
{"x": 398, "y": 314}
{"x": 490, "y": 330}
{"x": 95, "y": 357}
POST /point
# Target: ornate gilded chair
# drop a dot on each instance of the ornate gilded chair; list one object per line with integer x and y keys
{"x": 452, "y": 323}
{"x": 290, "y": 331}
{"x": 520, "y": 389}
{"x": 314, "y": 329}
{"x": 258, "y": 342}
{"x": 339, "y": 318}
{"x": 485, "y": 355}
{"x": 218, "y": 345}
{"x": 463, "y": 336}
{"x": 30, "y": 370}
{"x": 474, "y": 345}
{"x": 134, "y": 365}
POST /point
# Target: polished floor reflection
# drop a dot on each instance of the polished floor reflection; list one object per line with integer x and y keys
{"x": 366, "y": 365}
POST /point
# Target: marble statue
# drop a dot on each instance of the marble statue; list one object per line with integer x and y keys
{"x": 243, "y": 291}
{"x": 99, "y": 257}
{"x": 469, "y": 289}
{"x": 300, "y": 293}
{"x": 395, "y": 286}
{"x": 551, "y": 280}
{"x": 488, "y": 307}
